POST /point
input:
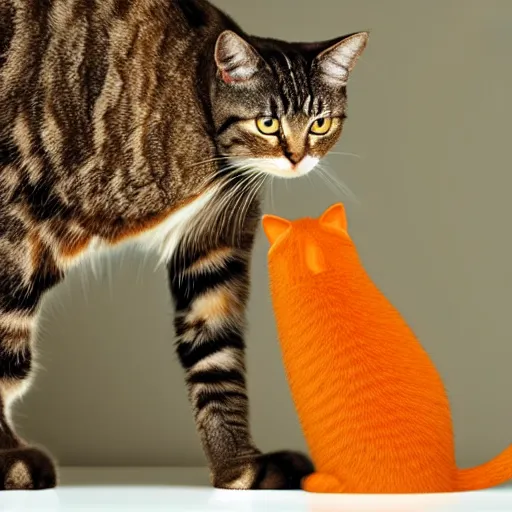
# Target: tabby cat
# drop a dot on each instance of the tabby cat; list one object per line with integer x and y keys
{"x": 153, "y": 121}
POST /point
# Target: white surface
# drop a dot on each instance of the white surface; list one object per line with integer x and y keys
{"x": 177, "y": 490}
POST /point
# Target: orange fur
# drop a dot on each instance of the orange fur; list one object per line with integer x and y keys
{"x": 371, "y": 403}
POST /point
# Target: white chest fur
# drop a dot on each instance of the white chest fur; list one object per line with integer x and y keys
{"x": 161, "y": 239}
{"x": 165, "y": 237}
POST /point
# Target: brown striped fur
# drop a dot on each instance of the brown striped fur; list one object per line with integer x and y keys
{"x": 139, "y": 121}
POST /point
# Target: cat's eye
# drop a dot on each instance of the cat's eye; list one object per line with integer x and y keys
{"x": 321, "y": 126}
{"x": 268, "y": 125}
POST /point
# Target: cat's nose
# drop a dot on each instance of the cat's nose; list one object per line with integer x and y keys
{"x": 295, "y": 158}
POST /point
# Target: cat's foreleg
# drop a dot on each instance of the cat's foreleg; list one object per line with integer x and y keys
{"x": 210, "y": 283}
{"x": 22, "y": 283}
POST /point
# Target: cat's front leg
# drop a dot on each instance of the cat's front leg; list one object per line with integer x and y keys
{"x": 209, "y": 283}
{"x": 24, "y": 277}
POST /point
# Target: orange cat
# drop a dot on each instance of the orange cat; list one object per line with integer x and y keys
{"x": 371, "y": 403}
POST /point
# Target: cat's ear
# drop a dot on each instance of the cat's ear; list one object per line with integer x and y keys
{"x": 337, "y": 62}
{"x": 335, "y": 219}
{"x": 236, "y": 59}
{"x": 274, "y": 227}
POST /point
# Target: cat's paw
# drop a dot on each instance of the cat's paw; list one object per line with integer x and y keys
{"x": 322, "y": 483}
{"x": 279, "y": 470}
{"x": 26, "y": 468}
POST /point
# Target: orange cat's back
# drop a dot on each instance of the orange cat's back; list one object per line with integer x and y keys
{"x": 371, "y": 403}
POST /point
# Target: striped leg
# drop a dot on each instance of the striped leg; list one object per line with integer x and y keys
{"x": 210, "y": 290}
{"x": 21, "y": 466}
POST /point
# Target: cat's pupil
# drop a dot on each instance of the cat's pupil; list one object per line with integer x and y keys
{"x": 320, "y": 122}
{"x": 268, "y": 123}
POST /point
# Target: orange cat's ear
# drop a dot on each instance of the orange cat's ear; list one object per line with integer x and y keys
{"x": 274, "y": 227}
{"x": 335, "y": 219}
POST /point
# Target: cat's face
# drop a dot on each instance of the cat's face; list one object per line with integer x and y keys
{"x": 278, "y": 107}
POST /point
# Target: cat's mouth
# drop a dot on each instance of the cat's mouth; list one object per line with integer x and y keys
{"x": 281, "y": 167}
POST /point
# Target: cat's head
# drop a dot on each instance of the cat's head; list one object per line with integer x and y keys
{"x": 279, "y": 107}
{"x": 307, "y": 247}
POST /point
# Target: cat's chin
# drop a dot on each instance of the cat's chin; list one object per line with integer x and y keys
{"x": 281, "y": 167}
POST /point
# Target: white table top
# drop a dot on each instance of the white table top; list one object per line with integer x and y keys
{"x": 188, "y": 490}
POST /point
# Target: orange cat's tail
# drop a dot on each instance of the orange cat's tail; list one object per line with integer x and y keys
{"x": 495, "y": 472}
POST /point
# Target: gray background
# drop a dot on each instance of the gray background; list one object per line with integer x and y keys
{"x": 430, "y": 113}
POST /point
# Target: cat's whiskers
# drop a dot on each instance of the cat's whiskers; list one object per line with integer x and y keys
{"x": 208, "y": 161}
{"x": 244, "y": 189}
{"x": 248, "y": 178}
{"x": 327, "y": 183}
{"x": 248, "y": 202}
{"x": 236, "y": 190}
{"x": 228, "y": 192}
{"x": 335, "y": 184}
{"x": 340, "y": 183}
{"x": 225, "y": 194}
{"x": 256, "y": 191}
{"x": 248, "y": 194}
{"x": 239, "y": 199}
{"x": 343, "y": 153}
{"x": 235, "y": 172}
{"x": 271, "y": 187}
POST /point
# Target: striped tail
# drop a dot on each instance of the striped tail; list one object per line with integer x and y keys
{"x": 495, "y": 472}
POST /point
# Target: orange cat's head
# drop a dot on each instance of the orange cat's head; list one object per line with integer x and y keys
{"x": 306, "y": 248}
